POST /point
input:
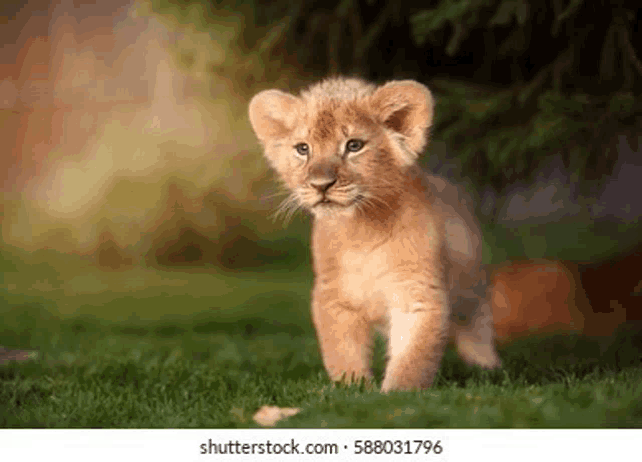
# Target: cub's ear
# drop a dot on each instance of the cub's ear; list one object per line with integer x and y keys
{"x": 273, "y": 114}
{"x": 406, "y": 107}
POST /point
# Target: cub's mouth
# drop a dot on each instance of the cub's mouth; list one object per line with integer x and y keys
{"x": 325, "y": 202}
{"x": 331, "y": 202}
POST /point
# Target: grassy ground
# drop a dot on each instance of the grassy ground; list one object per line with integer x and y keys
{"x": 166, "y": 349}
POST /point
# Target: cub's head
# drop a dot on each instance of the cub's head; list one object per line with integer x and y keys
{"x": 344, "y": 146}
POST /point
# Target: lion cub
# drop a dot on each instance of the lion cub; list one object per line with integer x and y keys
{"x": 393, "y": 248}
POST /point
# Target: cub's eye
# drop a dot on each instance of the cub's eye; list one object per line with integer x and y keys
{"x": 303, "y": 149}
{"x": 354, "y": 145}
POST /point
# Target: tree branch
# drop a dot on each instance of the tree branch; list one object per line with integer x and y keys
{"x": 626, "y": 41}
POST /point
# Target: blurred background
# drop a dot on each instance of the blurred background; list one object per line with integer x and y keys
{"x": 133, "y": 188}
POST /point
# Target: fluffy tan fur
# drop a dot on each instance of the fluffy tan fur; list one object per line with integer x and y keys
{"x": 393, "y": 248}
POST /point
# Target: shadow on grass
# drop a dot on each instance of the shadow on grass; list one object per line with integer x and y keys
{"x": 543, "y": 360}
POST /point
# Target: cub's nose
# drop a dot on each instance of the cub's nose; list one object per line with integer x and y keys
{"x": 322, "y": 184}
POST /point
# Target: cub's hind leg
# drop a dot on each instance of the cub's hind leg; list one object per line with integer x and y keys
{"x": 474, "y": 331}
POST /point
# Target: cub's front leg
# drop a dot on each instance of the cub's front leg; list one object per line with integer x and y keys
{"x": 344, "y": 335}
{"x": 418, "y": 334}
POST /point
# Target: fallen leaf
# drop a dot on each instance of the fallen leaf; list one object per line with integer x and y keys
{"x": 268, "y": 416}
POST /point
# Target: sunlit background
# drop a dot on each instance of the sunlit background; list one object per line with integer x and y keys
{"x": 112, "y": 119}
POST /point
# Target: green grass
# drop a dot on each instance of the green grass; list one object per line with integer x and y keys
{"x": 176, "y": 349}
